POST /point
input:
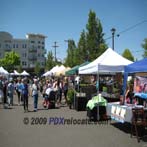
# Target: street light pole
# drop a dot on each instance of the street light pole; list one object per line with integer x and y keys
{"x": 113, "y": 33}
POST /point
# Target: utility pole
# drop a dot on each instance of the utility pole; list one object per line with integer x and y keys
{"x": 113, "y": 33}
{"x": 55, "y": 46}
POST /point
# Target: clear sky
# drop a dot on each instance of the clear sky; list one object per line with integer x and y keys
{"x": 60, "y": 20}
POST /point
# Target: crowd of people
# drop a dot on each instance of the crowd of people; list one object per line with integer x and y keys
{"x": 36, "y": 88}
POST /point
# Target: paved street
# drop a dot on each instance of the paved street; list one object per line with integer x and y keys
{"x": 14, "y": 133}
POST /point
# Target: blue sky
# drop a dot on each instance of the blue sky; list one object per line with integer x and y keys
{"x": 60, "y": 20}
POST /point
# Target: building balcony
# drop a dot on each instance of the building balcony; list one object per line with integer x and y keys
{"x": 33, "y": 50}
{"x": 33, "y": 58}
{"x": 8, "y": 49}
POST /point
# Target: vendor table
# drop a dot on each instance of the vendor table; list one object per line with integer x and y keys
{"x": 121, "y": 113}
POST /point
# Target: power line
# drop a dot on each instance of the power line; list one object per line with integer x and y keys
{"x": 128, "y": 29}
{"x": 137, "y": 51}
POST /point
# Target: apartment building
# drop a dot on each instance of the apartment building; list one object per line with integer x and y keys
{"x": 31, "y": 49}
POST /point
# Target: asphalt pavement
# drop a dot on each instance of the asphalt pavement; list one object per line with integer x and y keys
{"x": 60, "y": 127}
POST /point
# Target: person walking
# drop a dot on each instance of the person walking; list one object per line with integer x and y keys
{"x": 45, "y": 97}
{"x": 18, "y": 90}
{"x": 25, "y": 94}
{"x": 10, "y": 92}
{"x": 35, "y": 89}
{"x": 1, "y": 90}
{"x": 59, "y": 91}
{"x": 65, "y": 89}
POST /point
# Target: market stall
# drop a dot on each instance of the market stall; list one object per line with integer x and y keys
{"x": 138, "y": 68}
{"x": 123, "y": 113}
{"x": 109, "y": 62}
{"x": 106, "y": 65}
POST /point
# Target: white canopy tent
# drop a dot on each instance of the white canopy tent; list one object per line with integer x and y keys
{"x": 24, "y": 73}
{"x": 62, "y": 70}
{"x": 109, "y": 61}
{"x": 3, "y": 71}
{"x": 16, "y": 73}
{"x": 52, "y": 71}
{"x": 48, "y": 73}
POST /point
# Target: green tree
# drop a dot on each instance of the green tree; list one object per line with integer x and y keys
{"x": 76, "y": 57}
{"x": 71, "y": 59}
{"x": 128, "y": 55}
{"x": 10, "y": 61}
{"x": 95, "y": 42}
{"x": 144, "y": 45}
{"x": 81, "y": 50}
{"x": 50, "y": 63}
{"x": 37, "y": 68}
{"x": 20, "y": 68}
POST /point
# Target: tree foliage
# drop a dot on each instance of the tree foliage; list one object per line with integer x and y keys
{"x": 90, "y": 45}
{"x": 50, "y": 63}
{"x": 128, "y": 55}
{"x": 71, "y": 54}
{"x": 144, "y": 45}
{"x": 81, "y": 50}
{"x": 94, "y": 37}
{"x": 37, "y": 68}
{"x": 20, "y": 69}
{"x": 10, "y": 61}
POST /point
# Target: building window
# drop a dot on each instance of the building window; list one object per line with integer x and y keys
{"x": 0, "y": 45}
{"x": 38, "y": 42}
{"x": 42, "y": 42}
{"x": 7, "y": 46}
{"x": 13, "y": 45}
{"x": 24, "y": 63}
{"x": 42, "y": 47}
{"x": 24, "y": 46}
{"x": 38, "y": 46}
{"x": 32, "y": 41}
{"x": 33, "y": 47}
{"x": 16, "y": 45}
{"x": 24, "y": 55}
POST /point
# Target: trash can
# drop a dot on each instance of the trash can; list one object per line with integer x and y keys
{"x": 80, "y": 101}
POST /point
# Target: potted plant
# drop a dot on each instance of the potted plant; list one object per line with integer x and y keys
{"x": 70, "y": 97}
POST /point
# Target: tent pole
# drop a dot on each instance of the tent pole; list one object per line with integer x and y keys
{"x": 97, "y": 83}
{"x": 124, "y": 85}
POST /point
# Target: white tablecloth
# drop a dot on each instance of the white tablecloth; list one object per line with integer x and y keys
{"x": 120, "y": 113}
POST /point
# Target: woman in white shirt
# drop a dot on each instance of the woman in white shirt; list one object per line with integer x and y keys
{"x": 35, "y": 94}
